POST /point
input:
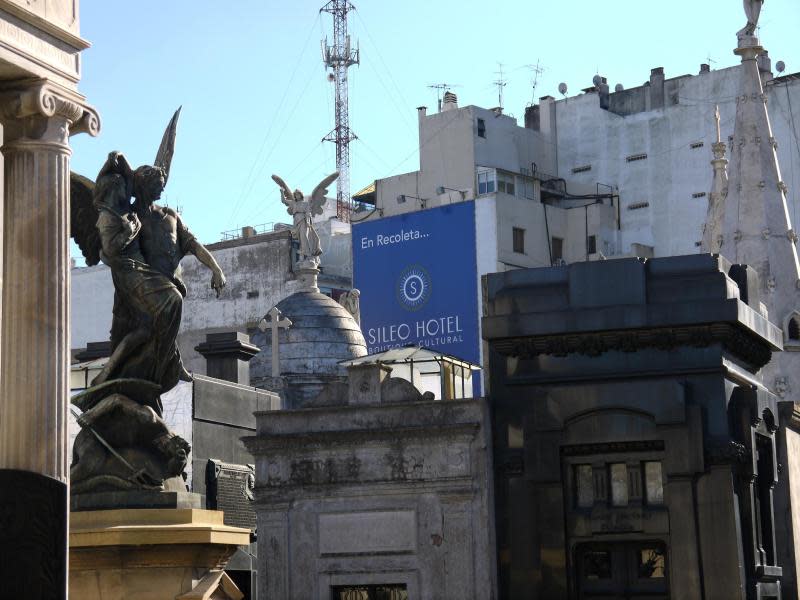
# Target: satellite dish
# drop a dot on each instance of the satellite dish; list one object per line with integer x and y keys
{"x": 331, "y": 77}
{"x": 562, "y": 88}
{"x": 781, "y": 66}
{"x": 597, "y": 80}
{"x": 619, "y": 87}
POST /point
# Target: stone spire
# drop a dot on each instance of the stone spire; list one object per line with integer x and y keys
{"x": 750, "y": 225}
{"x": 712, "y": 232}
{"x": 755, "y": 227}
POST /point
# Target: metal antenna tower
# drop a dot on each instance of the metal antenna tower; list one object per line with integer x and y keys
{"x": 500, "y": 82}
{"x": 339, "y": 56}
{"x": 536, "y": 71}
{"x": 440, "y": 87}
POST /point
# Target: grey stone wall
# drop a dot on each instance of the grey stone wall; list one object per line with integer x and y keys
{"x": 374, "y": 494}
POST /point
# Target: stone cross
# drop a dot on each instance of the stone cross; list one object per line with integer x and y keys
{"x": 275, "y": 323}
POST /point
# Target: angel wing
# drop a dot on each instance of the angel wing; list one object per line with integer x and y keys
{"x": 167, "y": 147}
{"x": 318, "y": 195}
{"x": 286, "y": 193}
{"x": 83, "y": 217}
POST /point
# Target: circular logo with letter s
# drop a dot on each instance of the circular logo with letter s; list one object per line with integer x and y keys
{"x": 413, "y": 287}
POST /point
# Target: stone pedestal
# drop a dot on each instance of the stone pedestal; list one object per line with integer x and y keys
{"x": 228, "y": 356}
{"x": 307, "y": 272}
{"x": 152, "y": 554}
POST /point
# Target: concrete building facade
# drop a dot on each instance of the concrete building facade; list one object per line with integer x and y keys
{"x": 474, "y": 153}
{"x": 652, "y": 143}
{"x": 600, "y": 174}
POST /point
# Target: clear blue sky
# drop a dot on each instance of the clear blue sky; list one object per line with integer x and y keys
{"x": 256, "y": 100}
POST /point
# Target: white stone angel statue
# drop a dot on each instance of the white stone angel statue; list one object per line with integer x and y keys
{"x": 303, "y": 209}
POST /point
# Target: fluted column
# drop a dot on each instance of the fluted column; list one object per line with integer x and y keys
{"x": 34, "y": 351}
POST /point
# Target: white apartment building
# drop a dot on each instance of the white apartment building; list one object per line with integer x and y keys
{"x": 597, "y": 175}
{"x": 522, "y": 221}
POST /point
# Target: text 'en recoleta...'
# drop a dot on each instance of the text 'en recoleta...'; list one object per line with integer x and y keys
{"x": 393, "y": 238}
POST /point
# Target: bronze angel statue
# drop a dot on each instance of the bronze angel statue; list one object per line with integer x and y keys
{"x": 115, "y": 220}
{"x": 303, "y": 210}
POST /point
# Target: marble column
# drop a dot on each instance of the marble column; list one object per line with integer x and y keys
{"x": 34, "y": 352}
{"x": 37, "y": 118}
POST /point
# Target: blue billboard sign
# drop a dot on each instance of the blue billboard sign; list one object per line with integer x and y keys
{"x": 417, "y": 274}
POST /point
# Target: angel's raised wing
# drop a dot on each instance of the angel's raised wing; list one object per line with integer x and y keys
{"x": 319, "y": 193}
{"x": 286, "y": 193}
{"x": 167, "y": 147}
{"x": 83, "y": 217}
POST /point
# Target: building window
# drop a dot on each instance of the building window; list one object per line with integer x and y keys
{"x": 481, "y": 128}
{"x": 696, "y": 145}
{"x": 582, "y": 169}
{"x": 619, "y": 484}
{"x": 653, "y": 482}
{"x": 794, "y": 329}
{"x": 527, "y": 188}
{"x": 638, "y": 205}
{"x": 635, "y": 157}
{"x": 699, "y": 195}
{"x": 486, "y": 183}
{"x": 557, "y": 248}
{"x": 596, "y": 564}
{"x": 584, "y": 486}
{"x": 505, "y": 183}
{"x": 518, "y": 240}
{"x": 591, "y": 244}
{"x": 652, "y": 564}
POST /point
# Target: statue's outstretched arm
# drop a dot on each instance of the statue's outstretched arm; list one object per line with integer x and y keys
{"x": 204, "y": 256}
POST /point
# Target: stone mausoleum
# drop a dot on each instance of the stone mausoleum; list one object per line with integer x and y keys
{"x": 627, "y": 447}
{"x": 634, "y": 440}
{"x": 366, "y": 487}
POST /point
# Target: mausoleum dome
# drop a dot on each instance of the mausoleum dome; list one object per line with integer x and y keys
{"x": 322, "y": 334}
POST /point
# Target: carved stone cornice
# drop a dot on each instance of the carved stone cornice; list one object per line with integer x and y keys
{"x": 41, "y": 110}
{"x": 735, "y": 341}
{"x": 274, "y": 445}
{"x": 611, "y": 447}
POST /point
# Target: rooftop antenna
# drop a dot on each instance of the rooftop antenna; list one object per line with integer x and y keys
{"x": 441, "y": 87}
{"x": 339, "y": 56}
{"x": 710, "y": 60}
{"x": 500, "y": 82}
{"x": 536, "y": 70}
